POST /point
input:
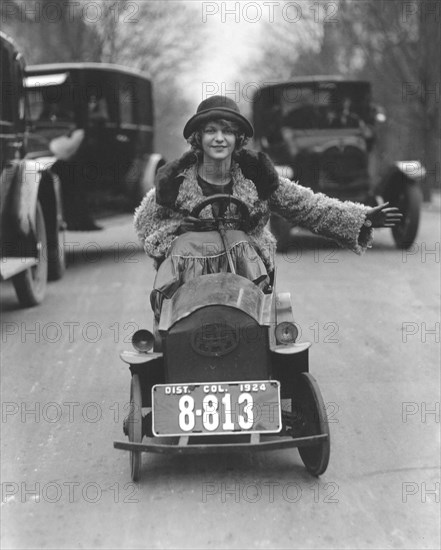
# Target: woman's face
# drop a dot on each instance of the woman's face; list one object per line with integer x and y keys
{"x": 218, "y": 140}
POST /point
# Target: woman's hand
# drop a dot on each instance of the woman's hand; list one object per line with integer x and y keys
{"x": 189, "y": 224}
{"x": 381, "y": 216}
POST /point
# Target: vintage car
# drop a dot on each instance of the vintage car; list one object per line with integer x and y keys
{"x": 114, "y": 163}
{"x": 32, "y": 226}
{"x": 222, "y": 370}
{"x": 320, "y": 131}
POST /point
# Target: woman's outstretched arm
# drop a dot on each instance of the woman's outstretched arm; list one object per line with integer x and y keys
{"x": 344, "y": 222}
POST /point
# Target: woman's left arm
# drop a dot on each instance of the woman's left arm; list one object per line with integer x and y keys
{"x": 349, "y": 224}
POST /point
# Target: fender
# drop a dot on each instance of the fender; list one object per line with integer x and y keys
{"x": 28, "y": 179}
{"x": 412, "y": 169}
{"x": 23, "y": 197}
{"x": 24, "y": 193}
{"x": 154, "y": 161}
{"x": 404, "y": 172}
{"x": 50, "y": 194}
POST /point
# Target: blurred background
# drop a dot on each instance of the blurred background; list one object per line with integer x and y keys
{"x": 193, "y": 49}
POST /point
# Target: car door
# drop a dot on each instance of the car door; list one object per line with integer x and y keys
{"x": 11, "y": 121}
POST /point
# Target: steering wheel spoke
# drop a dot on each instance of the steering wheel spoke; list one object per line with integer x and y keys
{"x": 221, "y": 199}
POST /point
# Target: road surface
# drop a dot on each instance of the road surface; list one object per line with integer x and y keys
{"x": 374, "y": 323}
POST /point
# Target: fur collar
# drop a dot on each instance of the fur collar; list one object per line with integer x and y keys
{"x": 255, "y": 166}
{"x": 190, "y": 194}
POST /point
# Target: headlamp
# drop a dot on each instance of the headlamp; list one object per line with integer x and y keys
{"x": 286, "y": 333}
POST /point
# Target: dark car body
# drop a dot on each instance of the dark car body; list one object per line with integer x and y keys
{"x": 31, "y": 228}
{"x": 114, "y": 107}
{"x": 299, "y": 125}
{"x": 320, "y": 131}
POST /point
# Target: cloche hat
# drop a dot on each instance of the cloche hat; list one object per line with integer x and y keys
{"x": 217, "y": 106}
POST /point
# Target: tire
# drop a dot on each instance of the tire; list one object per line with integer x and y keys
{"x": 30, "y": 285}
{"x": 281, "y": 229}
{"x": 409, "y": 203}
{"x": 56, "y": 256}
{"x": 135, "y": 426}
{"x": 309, "y": 408}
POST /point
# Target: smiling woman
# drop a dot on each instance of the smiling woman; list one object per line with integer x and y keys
{"x": 221, "y": 196}
{"x": 216, "y": 142}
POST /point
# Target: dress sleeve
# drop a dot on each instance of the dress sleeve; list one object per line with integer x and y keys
{"x": 340, "y": 221}
{"x": 156, "y": 226}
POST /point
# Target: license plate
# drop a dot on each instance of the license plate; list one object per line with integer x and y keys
{"x": 216, "y": 408}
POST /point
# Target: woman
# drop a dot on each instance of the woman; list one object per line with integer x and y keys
{"x": 217, "y": 163}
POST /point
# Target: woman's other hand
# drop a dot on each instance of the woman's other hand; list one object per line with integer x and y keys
{"x": 384, "y": 216}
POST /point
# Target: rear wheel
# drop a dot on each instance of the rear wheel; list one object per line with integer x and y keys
{"x": 135, "y": 425}
{"x": 56, "y": 256}
{"x": 30, "y": 285}
{"x": 409, "y": 203}
{"x": 309, "y": 416}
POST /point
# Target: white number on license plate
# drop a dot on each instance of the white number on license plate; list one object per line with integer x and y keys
{"x": 219, "y": 408}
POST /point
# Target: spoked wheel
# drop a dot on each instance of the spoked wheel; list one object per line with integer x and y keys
{"x": 409, "y": 203}
{"x": 309, "y": 418}
{"x": 135, "y": 425}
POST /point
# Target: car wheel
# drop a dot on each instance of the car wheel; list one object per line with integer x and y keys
{"x": 409, "y": 203}
{"x": 135, "y": 426}
{"x": 56, "y": 255}
{"x": 309, "y": 417}
{"x": 30, "y": 285}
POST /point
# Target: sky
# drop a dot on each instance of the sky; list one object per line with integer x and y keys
{"x": 234, "y": 41}
{"x": 238, "y": 31}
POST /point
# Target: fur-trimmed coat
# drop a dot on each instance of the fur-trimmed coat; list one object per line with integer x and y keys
{"x": 177, "y": 192}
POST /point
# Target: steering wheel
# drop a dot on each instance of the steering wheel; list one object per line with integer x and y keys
{"x": 222, "y": 198}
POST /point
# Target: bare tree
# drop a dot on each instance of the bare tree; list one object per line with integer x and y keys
{"x": 47, "y": 32}
{"x": 162, "y": 39}
{"x": 393, "y": 43}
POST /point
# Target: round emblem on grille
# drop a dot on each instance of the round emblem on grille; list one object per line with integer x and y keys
{"x": 214, "y": 339}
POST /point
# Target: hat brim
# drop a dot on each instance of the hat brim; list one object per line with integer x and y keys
{"x": 211, "y": 114}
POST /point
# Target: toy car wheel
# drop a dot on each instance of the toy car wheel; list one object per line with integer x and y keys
{"x": 30, "y": 285}
{"x": 309, "y": 410}
{"x": 135, "y": 425}
{"x": 409, "y": 203}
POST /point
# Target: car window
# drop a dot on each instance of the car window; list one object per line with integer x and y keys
{"x": 126, "y": 98}
{"x": 97, "y": 109}
{"x": 50, "y": 104}
{"x": 7, "y": 104}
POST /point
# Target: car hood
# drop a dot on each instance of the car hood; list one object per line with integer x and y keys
{"x": 224, "y": 289}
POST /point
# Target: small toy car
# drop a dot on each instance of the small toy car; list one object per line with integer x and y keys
{"x": 223, "y": 371}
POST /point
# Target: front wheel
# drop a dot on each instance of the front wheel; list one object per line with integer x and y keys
{"x": 135, "y": 425}
{"x": 408, "y": 201}
{"x": 308, "y": 410}
{"x": 30, "y": 285}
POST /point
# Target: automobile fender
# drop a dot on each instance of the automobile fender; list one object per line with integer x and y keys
{"x": 25, "y": 191}
{"x": 24, "y": 194}
{"x": 50, "y": 194}
{"x": 405, "y": 172}
{"x": 153, "y": 162}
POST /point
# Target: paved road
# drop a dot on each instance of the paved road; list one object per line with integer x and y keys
{"x": 375, "y": 356}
